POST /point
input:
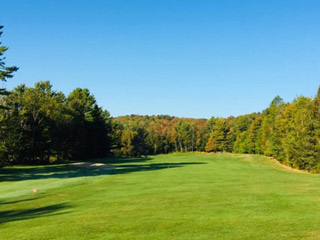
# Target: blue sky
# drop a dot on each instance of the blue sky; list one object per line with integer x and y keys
{"x": 184, "y": 58}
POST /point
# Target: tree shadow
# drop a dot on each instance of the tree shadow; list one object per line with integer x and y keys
{"x": 120, "y": 160}
{"x": 121, "y": 166}
{"x": 18, "y": 215}
{"x": 128, "y": 168}
{"x": 18, "y": 201}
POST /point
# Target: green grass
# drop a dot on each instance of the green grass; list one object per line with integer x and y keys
{"x": 176, "y": 196}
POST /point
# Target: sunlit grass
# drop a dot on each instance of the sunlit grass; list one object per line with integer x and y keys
{"x": 176, "y": 196}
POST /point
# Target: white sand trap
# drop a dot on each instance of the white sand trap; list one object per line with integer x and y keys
{"x": 92, "y": 165}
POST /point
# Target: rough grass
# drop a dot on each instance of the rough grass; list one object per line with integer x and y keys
{"x": 176, "y": 196}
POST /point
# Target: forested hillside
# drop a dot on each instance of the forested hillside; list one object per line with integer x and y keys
{"x": 290, "y": 132}
{"x": 40, "y": 125}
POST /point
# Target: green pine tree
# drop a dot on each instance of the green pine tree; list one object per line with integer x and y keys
{"x": 5, "y": 72}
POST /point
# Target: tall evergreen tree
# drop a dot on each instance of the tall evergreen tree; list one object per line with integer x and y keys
{"x": 5, "y": 71}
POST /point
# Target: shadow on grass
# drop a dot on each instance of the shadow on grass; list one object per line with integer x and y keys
{"x": 128, "y": 168}
{"x": 120, "y": 160}
{"x": 122, "y": 166}
{"x": 18, "y": 215}
{"x": 17, "y": 201}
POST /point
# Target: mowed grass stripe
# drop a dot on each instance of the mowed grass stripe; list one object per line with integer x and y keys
{"x": 175, "y": 196}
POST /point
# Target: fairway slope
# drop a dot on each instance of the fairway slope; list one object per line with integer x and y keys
{"x": 175, "y": 196}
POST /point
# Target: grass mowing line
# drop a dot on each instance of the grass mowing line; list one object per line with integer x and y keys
{"x": 288, "y": 167}
{"x": 274, "y": 162}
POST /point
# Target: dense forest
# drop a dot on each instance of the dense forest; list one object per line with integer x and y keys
{"x": 41, "y": 125}
{"x": 289, "y": 132}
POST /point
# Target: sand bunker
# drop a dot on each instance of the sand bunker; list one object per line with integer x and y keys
{"x": 92, "y": 165}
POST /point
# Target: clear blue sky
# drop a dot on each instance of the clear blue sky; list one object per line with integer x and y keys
{"x": 184, "y": 58}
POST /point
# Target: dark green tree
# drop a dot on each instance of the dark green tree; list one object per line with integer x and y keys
{"x": 5, "y": 71}
{"x": 89, "y": 135}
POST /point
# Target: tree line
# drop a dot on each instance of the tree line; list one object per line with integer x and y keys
{"x": 289, "y": 132}
{"x": 40, "y": 125}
